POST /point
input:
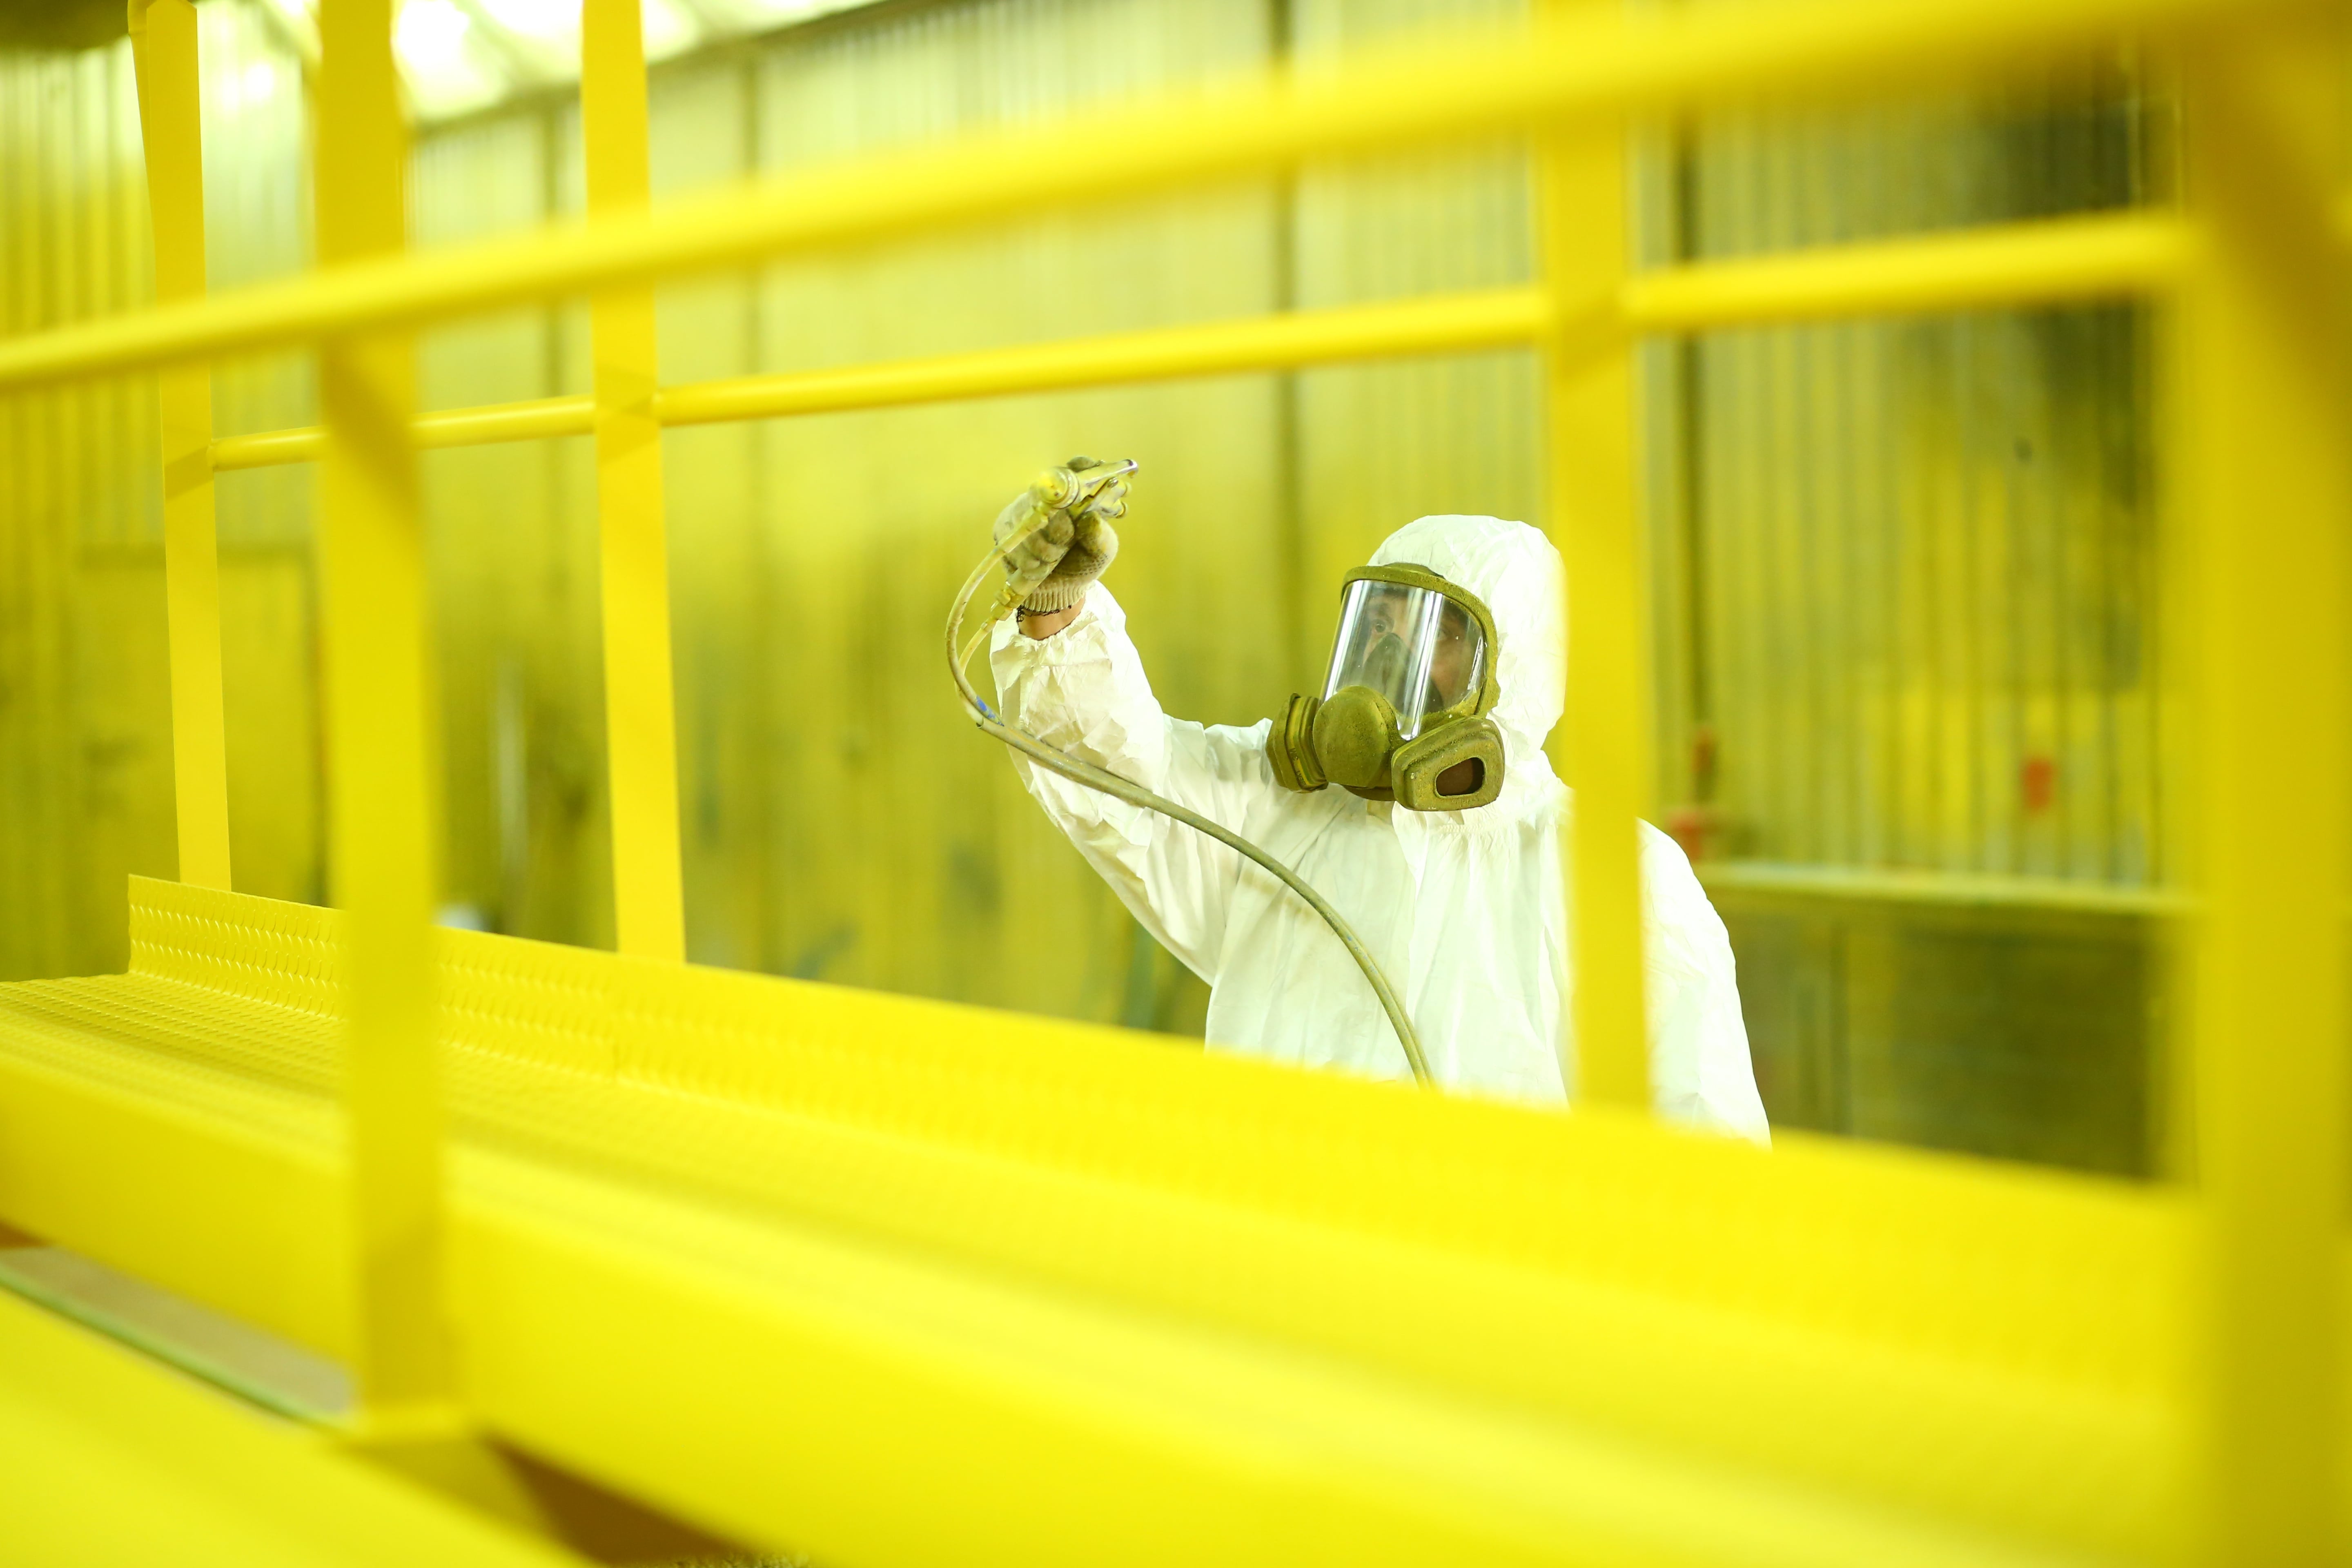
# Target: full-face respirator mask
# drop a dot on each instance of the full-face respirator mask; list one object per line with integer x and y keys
{"x": 1403, "y": 713}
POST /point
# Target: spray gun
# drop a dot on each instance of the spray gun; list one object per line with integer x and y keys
{"x": 1077, "y": 490}
{"x": 1067, "y": 488}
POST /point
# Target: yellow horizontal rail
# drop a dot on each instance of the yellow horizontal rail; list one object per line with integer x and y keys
{"x": 2055, "y": 261}
{"x": 486, "y": 426}
{"x": 2038, "y": 263}
{"x": 2012, "y": 895}
{"x": 1498, "y": 318}
{"x": 1607, "y": 64}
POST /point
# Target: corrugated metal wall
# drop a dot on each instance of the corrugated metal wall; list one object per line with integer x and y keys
{"x": 84, "y": 750}
{"x": 1908, "y": 591}
{"x": 85, "y": 737}
{"x": 1918, "y": 581}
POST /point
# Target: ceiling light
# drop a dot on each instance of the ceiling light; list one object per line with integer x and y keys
{"x": 442, "y": 59}
{"x": 255, "y": 83}
{"x": 670, "y": 29}
{"x": 431, "y": 34}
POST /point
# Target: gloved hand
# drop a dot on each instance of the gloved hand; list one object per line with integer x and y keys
{"x": 1065, "y": 555}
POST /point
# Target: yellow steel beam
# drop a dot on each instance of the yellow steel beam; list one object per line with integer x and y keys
{"x": 382, "y": 844}
{"x": 163, "y": 46}
{"x": 640, "y": 722}
{"x": 2046, "y": 262}
{"x": 2259, "y": 408}
{"x": 1652, "y": 60}
{"x": 1594, "y": 517}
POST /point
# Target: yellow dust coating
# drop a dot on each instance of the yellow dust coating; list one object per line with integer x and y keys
{"x": 640, "y": 723}
{"x": 163, "y": 39}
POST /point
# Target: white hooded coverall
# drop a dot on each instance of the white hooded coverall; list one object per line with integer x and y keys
{"x": 1465, "y": 911}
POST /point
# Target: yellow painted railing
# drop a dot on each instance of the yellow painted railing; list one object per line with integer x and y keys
{"x": 1599, "y": 68}
{"x": 2058, "y": 261}
{"x": 164, "y": 42}
{"x": 1089, "y": 1302}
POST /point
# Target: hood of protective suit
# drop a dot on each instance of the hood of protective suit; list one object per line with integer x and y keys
{"x": 1516, "y": 570}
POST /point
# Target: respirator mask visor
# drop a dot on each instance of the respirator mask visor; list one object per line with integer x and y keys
{"x": 1403, "y": 715}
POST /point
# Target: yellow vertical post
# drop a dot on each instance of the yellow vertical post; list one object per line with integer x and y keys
{"x": 1595, "y": 520}
{"x": 163, "y": 49}
{"x": 381, "y": 839}
{"x": 2260, "y": 406}
{"x": 640, "y": 723}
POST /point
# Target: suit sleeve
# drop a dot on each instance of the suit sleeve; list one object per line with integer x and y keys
{"x": 1084, "y": 691}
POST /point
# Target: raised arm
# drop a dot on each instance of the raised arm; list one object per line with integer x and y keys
{"x": 1072, "y": 678}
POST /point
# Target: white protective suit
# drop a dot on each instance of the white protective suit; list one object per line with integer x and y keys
{"x": 1463, "y": 909}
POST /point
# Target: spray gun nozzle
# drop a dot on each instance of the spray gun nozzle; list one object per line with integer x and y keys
{"x": 1059, "y": 488}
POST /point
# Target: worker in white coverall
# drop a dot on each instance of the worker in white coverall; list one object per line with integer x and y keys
{"x": 1463, "y": 909}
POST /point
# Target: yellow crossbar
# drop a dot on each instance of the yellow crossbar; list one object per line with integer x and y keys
{"x": 530, "y": 421}
{"x": 1608, "y": 63}
{"x": 2057, "y": 261}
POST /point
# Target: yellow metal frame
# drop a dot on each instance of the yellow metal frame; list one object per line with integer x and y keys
{"x": 640, "y": 723}
{"x": 382, "y": 847}
{"x": 1085, "y": 1299}
{"x": 163, "y": 47}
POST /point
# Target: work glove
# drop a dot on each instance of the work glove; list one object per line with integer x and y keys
{"x": 1065, "y": 555}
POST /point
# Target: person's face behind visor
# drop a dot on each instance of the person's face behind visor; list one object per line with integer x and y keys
{"x": 1391, "y": 633}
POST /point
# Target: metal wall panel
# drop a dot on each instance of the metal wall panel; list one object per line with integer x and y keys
{"x": 84, "y": 718}
{"x": 1910, "y": 575}
{"x": 1921, "y": 555}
